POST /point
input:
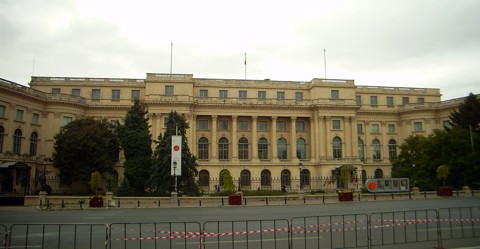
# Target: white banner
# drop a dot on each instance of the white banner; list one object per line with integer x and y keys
{"x": 176, "y": 163}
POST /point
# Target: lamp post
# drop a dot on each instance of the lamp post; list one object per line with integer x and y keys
{"x": 175, "y": 174}
{"x": 414, "y": 173}
{"x": 300, "y": 168}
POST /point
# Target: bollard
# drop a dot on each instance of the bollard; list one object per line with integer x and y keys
{"x": 200, "y": 202}
{"x": 374, "y": 196}
{"x": 409, "y": 195}
{"x": 40, "y": 202}
{"x": 304, "y": 200}
{"x": 323, "y": 199}
{"x": 158, "y": 202}
{"x": 119, "y": 203}
{"x": 63, "y": 203}
{"x": 266, "y": 200}
{"x": 359, "y": 196}
{"x": 392, "y": 196}
{"x": 425, "y": 194}
{"x": 472, "y": 191}
{"x": 245, "y": 200}
{"x": 223, "y": 202}
{"x": 285, "y": 200}
{"x": 178, "y": 202}
{"x": 138, "y": 203}
{"x": 457, "y": 192}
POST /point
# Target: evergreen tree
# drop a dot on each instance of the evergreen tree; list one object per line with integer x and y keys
{"x": 161, "y": 180}
{"x": 84, "y": 146}
{"x": 136, "y": 143}
{"x": 468, "y": 114}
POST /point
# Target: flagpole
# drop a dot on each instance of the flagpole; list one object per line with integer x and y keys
{"x": 245, "y": 66}
{"x": 325, "y": 62}
{"x": 171, "y": 58}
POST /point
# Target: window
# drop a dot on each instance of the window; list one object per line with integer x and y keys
{"x": 301, "y": 149}
{"x": 95, "y": 94}
{"x": 389, "y": 101}
{"x": 300, "y": 126}
{"x": 223, "y": 174}
{"x": 19, "y": 115}
{"x": 17, "y": 142}
{"x": 67, "y": 120}
{"x": 76, "y": 92}
{"x": 2, "y": 111}
{"x": 203, "y": 178}
{"x": 373, "y": 101}
{"x": 245, "y": 178}
{"x": 115, "y": 94}
{"x": 418, "y": 126}
{"x": 262, "y": 95}
{"x": 446, "y": 124}
{"x": 115, "y": 122}
{"x": 336, "y": 124}
{"x": 358, "y": 100}
{"x": 335, "y": 94}
{"x": 203, "y": 125}
{"x": 375, "y": 128}
{"x": 262, "y": 125}
{"x": 243, "y": 148}
{"x": 2, "y": 133}
{"x": 337, "y": 147}
{"x": 421, "y": 101}
{"x": 262, "y": 148}
{"x": 298, "y": 96}
{"x": 223, "y": 94}
{"x": 243, "y": 125}
{"x": 280, "y": 95}
{"x": 392, "y": 149}
{"x": 281, "y": 126}
{"x": 33, "y": 143}
{"x": 376, "y": 155}
{"x": 242, "y": 94}
{"x": 361, "y": 150}
{"x": 405, "y": 100}
{"x": 285, "y": 177}
{"x": 304, "y": 178}
{"x": 282, "y": 148}
{"x": 135, "y": 94}
{"x": 169, "y": 90}
{"x": 35, "y": 118}
{"x": 223, "y": 125}
{"x": 360, "y": 128}
{"x": 266, "y": 178}
{"x": 56, "y": 90}
{"x": 391, "y": 128}
{"x": 203, "y": 148}
{"x": 203, "y": 93}
{"x": 223, "y": 149}
{"x": 165, "y": 122}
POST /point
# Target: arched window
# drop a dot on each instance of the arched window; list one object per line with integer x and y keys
{"x": 204, "y": 178}
{"x": 285, "y": 177}
{"x": 223, "y": 148}
{"x": 392, "y": 149}
{"x": 243, "y": 148}
{"x": 282, "y": 148}
{"x": 337, "y": 147}
{"x": 223, "y": 173}
{"x": 361, "y": 150}
{"x": 376, "y": 154}
{"x": 378, "y": 173}
{"x": 203, "y": 148}
{"x": 17, "y": 142}
{"x": 245, "y": 178}
{"x": 2, "y": 133}
{"x": 301, "y": 149}
{"x": 304, "y": 178}
{"x": 262, "y": 148}
{"x": 33, "y": 143}
{"x": 266, "y": 178}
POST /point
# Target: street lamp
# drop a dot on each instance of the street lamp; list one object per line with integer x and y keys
{"x": 414, "y": 173}
{"x": 300, "y": 168}
{"x": 175, "y": 174}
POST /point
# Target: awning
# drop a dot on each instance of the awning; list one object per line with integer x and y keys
{"x": 16, "y": 165}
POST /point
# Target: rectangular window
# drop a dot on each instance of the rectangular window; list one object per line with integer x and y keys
{"x": 373, "y": 101}
{"x": 405, "y": 100}
{"x": 391, "y": 128}
{"x": 298, "y": 96}
{"x": 203, "y": 93}
{"x": 96, "y": 94}
{"x": 115, "y": 94}
{"x": 243, "y": 125}
{"x": 242, "y": 94}
{"x": 281, "y": 126}
{"x": 165, "y": 122}
{"x": 2, "y": 111}
{"x": 169, "y": 90}
{"x": 300, "y": 126}
{"x": 223, "y": 94}
{"x": 358, "y": 100}
{"x": 55, "y": 90}
{"x": 262, "y": 125}
{"x": 360, "y": 128}
{"x": 375, "y": 128}
{"x": 203, "y": 125}
{"x": 335, "y": 94}
{"x": 76, "y": 92}
{"x": 389, "y": 101}
{"x": 135, "y": 94}
{"x": 280, "y": 95}
{"x": 418, "y": 126}
{"x": 336, "y": 124}
{"x": 446, "y": 124}
{"x": 19, "y": 115}
{"x": 262, "y": 94}
{"x": 35, "y": 118}
{"x": 223, "y": 125}
{"x": 421, "y": 101}
{"x": 67, "y": 120}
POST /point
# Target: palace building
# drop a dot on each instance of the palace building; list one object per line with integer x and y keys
{"x": 293, "y": 131}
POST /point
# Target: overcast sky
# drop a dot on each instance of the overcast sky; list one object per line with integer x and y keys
{"x": 417, "y": 43}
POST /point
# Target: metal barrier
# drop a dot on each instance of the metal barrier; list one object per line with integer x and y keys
{"x": 4, "y": 236}
{"x": 330, "y": 231}
{"x": 247, "y": 234}
{"x": 58, "y": 236}
{"x": 459, "y": 223}
{"x": 156, "y": 235}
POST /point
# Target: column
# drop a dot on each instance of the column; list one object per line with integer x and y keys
{"x": 354, "y": 134}
{"x": 293, "y": 138}
{"x": 274, "y": 138}
{"x": 193, "y": 140}
{"x": 151, "y": 123}
{"x": 234, "y": 138}
{"x": 315, "y": 139}
{"x": 327, "y": 138}
{"x": 254, "y": 141}
{"x": 214, "y": 141}
{"x": 322, "y": 139}
{"x": 348, "y": 137}
{"x": 158, "y": 121}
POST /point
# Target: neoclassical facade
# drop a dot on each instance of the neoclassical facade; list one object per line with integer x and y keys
{"x": 261, "y": 129}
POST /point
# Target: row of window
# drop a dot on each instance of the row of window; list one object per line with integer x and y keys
{"x": 96, "y": 93}
{"x": 389, "y": 100}
{"x": 242, "y": 94}
{"x": 17, "y": 142}
{"x": 242, "y": 125}
{"x": 19, "y": 116}
{"x": 282, "y": 151}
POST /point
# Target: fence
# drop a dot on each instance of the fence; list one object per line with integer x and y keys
{"x": 421, "y": 228}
